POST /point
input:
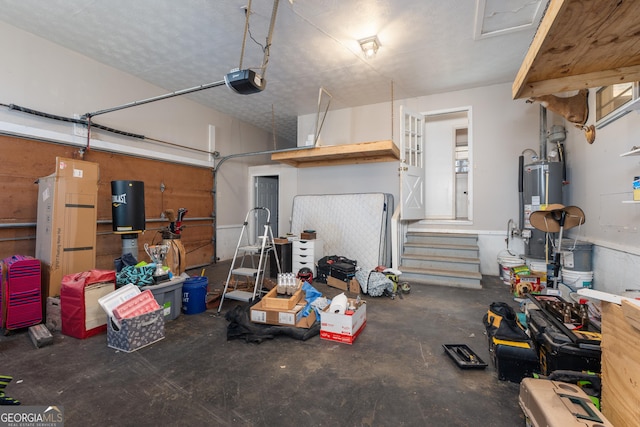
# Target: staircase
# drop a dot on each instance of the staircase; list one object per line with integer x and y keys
{"x": 446, "y": 259}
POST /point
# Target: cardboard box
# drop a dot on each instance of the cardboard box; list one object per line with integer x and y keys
{"x": 66, "y": 221}
{"x": 343, "y": 328}
{"x": 137, "y": 332}
{"x": 272, "y": 316}
{"x": 308, "y": 236}
{"x": 283, "y": 302}
{"x": 522, "y": 284}
{"x": 352, "y": 286}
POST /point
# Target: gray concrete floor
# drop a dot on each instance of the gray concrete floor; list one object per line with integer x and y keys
{"x": 395, "y": 374}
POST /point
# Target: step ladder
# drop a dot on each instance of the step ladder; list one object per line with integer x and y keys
{"x": 247, "y": 252}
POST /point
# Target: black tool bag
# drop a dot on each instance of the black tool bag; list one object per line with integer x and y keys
{"x": 501, "y": 322}
{"x": 326, "y": 264}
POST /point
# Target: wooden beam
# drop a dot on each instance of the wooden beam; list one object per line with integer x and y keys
{"x": 580, "y": 81}
{"x": 533, "y": 54}
{"x": 581, "y": 44}
{"x": 364, "y": 152}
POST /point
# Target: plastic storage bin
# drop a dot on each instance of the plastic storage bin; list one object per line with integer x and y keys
{"x": 169, "y": 296}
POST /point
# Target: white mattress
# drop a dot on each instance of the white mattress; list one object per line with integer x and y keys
{"x": 351, "y": 225}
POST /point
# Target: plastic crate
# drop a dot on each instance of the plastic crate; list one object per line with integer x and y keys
{"x": 169, "y": 296}
{"x": 142, "y": 303}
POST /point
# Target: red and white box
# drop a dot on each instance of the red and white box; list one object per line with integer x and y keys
{"x": 346, "y": 327}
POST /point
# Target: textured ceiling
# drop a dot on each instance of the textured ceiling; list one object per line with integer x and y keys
{"x": 427, "y": 47}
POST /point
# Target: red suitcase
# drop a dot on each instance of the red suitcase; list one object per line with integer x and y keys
{"x": 20, "y": 292}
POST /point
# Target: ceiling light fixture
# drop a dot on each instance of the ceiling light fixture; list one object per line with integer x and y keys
{"x": 369, "y": 46}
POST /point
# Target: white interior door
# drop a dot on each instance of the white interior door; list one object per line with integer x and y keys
{"x": 412, "y": 174}
{"x": 439, "y": 148}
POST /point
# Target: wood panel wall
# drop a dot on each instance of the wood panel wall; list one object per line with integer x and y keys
{"x": 23, "y": 161}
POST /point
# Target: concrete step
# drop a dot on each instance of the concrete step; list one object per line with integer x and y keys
{"x": 446, "y": 259}
{"x": 440, "y": 262}
{"x": 458, "y": 279}
{"x": 441, "y": 249}
{"x": 441, "y": 238}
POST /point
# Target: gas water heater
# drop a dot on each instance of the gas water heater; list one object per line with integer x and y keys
{"x": 541, "y": 185}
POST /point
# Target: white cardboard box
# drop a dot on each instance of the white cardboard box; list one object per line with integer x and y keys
{"x": 343, "y": 328}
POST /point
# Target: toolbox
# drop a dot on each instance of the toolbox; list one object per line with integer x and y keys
{"x": 512, "y": 351}
{"x": 557, "y": 351}
{"x": 514, "y": 360}
{"x": 344, "y": 268}
{"x": 558, "y": 404}
{"x": 570, "y": 318}
{"x": 464, "y": 357}
{"x": 560, "y": 347}
{"x": 343, "y": 271}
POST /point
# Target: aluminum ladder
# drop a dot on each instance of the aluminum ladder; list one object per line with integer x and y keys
{"x": 244, "y": 250}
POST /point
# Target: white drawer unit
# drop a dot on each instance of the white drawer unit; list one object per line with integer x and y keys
{"x": 305, "y": 253}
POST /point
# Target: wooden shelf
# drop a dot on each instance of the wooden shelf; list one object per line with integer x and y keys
{"x": 333, "y": 155}
{"x": 581, "y": 44}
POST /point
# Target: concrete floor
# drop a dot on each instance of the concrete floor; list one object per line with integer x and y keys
{"x": 395, "y": 374}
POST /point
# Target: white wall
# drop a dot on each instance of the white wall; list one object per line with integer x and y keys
{"x": 600, "y": 182}
{"x": 43, "y": 76}
{"x": 502, "y": 129}
{"x": 599, "y": 179}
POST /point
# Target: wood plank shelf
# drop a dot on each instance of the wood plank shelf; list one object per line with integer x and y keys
{"x": 347, "y": 154}
{"x": 581, "y": 44}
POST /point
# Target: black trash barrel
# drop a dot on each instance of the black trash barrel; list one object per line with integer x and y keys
{"x": 127, "y": 206}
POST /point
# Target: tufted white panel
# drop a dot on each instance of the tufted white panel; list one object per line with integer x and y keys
{"x": 351, "y": 225}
